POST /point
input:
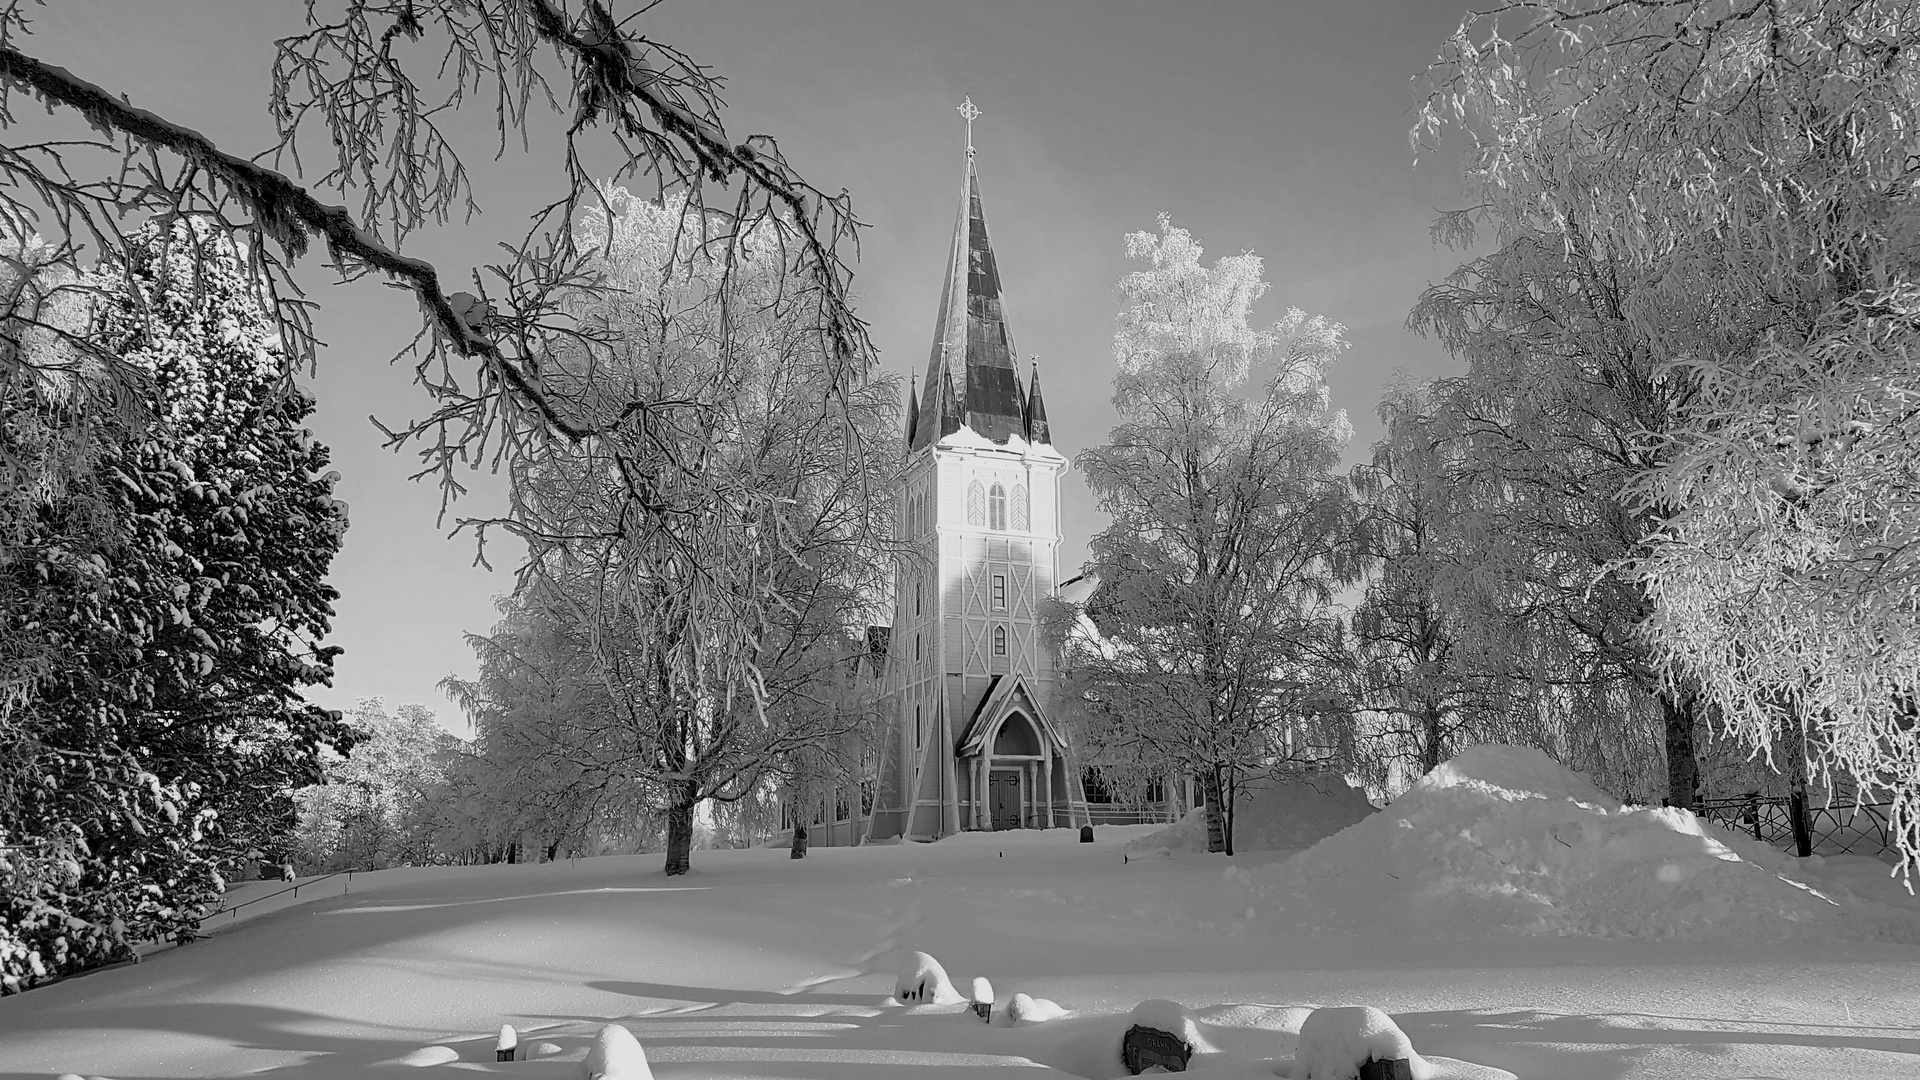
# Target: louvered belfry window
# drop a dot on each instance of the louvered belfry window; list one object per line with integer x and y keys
{"x": 1020, "y": 513}
{"x": 976, "y": 504}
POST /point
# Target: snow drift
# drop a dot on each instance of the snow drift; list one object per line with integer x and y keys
{"x": 1506, "y": 840}
{"x": 1288, "y": 816}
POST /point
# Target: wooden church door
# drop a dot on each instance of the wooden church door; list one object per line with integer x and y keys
{"x": 1003, "y": 796}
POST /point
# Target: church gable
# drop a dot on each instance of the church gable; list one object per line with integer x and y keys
{"x": 1009, "y": 695}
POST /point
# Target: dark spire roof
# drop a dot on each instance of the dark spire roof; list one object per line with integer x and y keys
{"x": 973, "y": 355}
{"x": 913, "y": 408}
{"x": 1037, "y": 430}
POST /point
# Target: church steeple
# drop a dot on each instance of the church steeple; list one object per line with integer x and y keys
{"x": 913, "y": 408}
{"x": 1037, "y": 430}
{"x": 972, "y": 364}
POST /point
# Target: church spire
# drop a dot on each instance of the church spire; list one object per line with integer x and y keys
{"x": 1036, "y": 418}
{"x": 913, "y": 407}
{"x": 972, "y": 364}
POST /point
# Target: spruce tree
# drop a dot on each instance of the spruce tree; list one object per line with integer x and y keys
{"x": 175, "y": 593}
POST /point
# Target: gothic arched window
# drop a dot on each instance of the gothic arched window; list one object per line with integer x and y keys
{"x": 976, "y": 504}
{"x": 1021, "y": 518}
{"x": 997, "y": 508}
{"x": 999, "y": 641}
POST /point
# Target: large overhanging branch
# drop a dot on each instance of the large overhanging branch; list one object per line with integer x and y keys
{"x": 610, "y": 76}
{"x": 282, "y": 209}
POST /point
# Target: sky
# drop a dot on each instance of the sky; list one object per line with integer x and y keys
{"x": 1272, "y": 126}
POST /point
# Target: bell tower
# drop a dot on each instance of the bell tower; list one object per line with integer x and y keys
{"x": 968, "y": 676}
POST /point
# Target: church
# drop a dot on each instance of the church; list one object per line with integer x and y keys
{"x": 970, "y": 740}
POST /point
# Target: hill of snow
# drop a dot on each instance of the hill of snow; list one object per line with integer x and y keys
{"x": 1506, "y": 840}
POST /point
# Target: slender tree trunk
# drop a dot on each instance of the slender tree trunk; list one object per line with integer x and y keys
{"x": 1216, "y": 812}
{"x": 680, "y": 830}
{"x": 1231, "y": 789}
{"x": 1683, "y": 761}
{"x": 1430, "y": 750}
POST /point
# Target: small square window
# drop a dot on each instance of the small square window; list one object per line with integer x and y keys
{"x": 999, "y": 592}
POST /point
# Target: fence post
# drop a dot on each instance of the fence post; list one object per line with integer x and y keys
{"x": 1797, "y": 814}
{"x": 1753, "y": 814}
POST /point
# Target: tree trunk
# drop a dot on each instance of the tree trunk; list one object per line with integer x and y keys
{"x": 680, "y": 831}
{"x": 1683, "y": 761}
{"x": 1230, "y": 789}
{"x": 1216, "y": 813}
{"x": 799, "y": 848}
{"x": 1430, "y": 752}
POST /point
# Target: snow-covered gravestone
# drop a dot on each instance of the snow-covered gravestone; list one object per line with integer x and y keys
{"x": 1356, "y": 1043}
{"x": 983, "y": 999}
{"x": 922, "y": 981}
{"x": 508, "y": 1042}
{"x": 616, "y": 1055}
{"x": 1163, "y": 1034}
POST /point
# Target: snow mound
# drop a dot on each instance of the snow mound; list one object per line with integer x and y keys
{"x": 616, "y": 1055}
{"x": 431, "y": 1055}
{"x": 1023, "y": 1009}
{"x": 1290, "y": 816}
{"x": 1504, "y": 840}
{"x": 1335, "y": 1043}
{"x": 922, "y": 981}
{"x": 1518, "y": 769}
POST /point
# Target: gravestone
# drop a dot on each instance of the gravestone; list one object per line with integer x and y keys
{"x": 1390, "y": 1069}
{"x": 1086, "y": 834}
{"x": 1145, "y": 1047}
{"x": 504, "y": 1047}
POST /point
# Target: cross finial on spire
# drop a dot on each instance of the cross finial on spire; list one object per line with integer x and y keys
{"x": 969, "y": 110}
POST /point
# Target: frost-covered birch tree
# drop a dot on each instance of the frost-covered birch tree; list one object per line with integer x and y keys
{"x": 550, "y": 761}
{"x": 1543, "y": 435}
{"x": 1217, "y": 575}
{"x": 1748, "y": 167}
{"x": 1426, "y": 681}
{"x": 721, "y": 549}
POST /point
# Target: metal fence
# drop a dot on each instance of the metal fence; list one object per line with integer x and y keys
{"x": 1807, "y": 824}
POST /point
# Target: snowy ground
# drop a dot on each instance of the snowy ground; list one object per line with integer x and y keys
{"x": 759, "y": 966}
